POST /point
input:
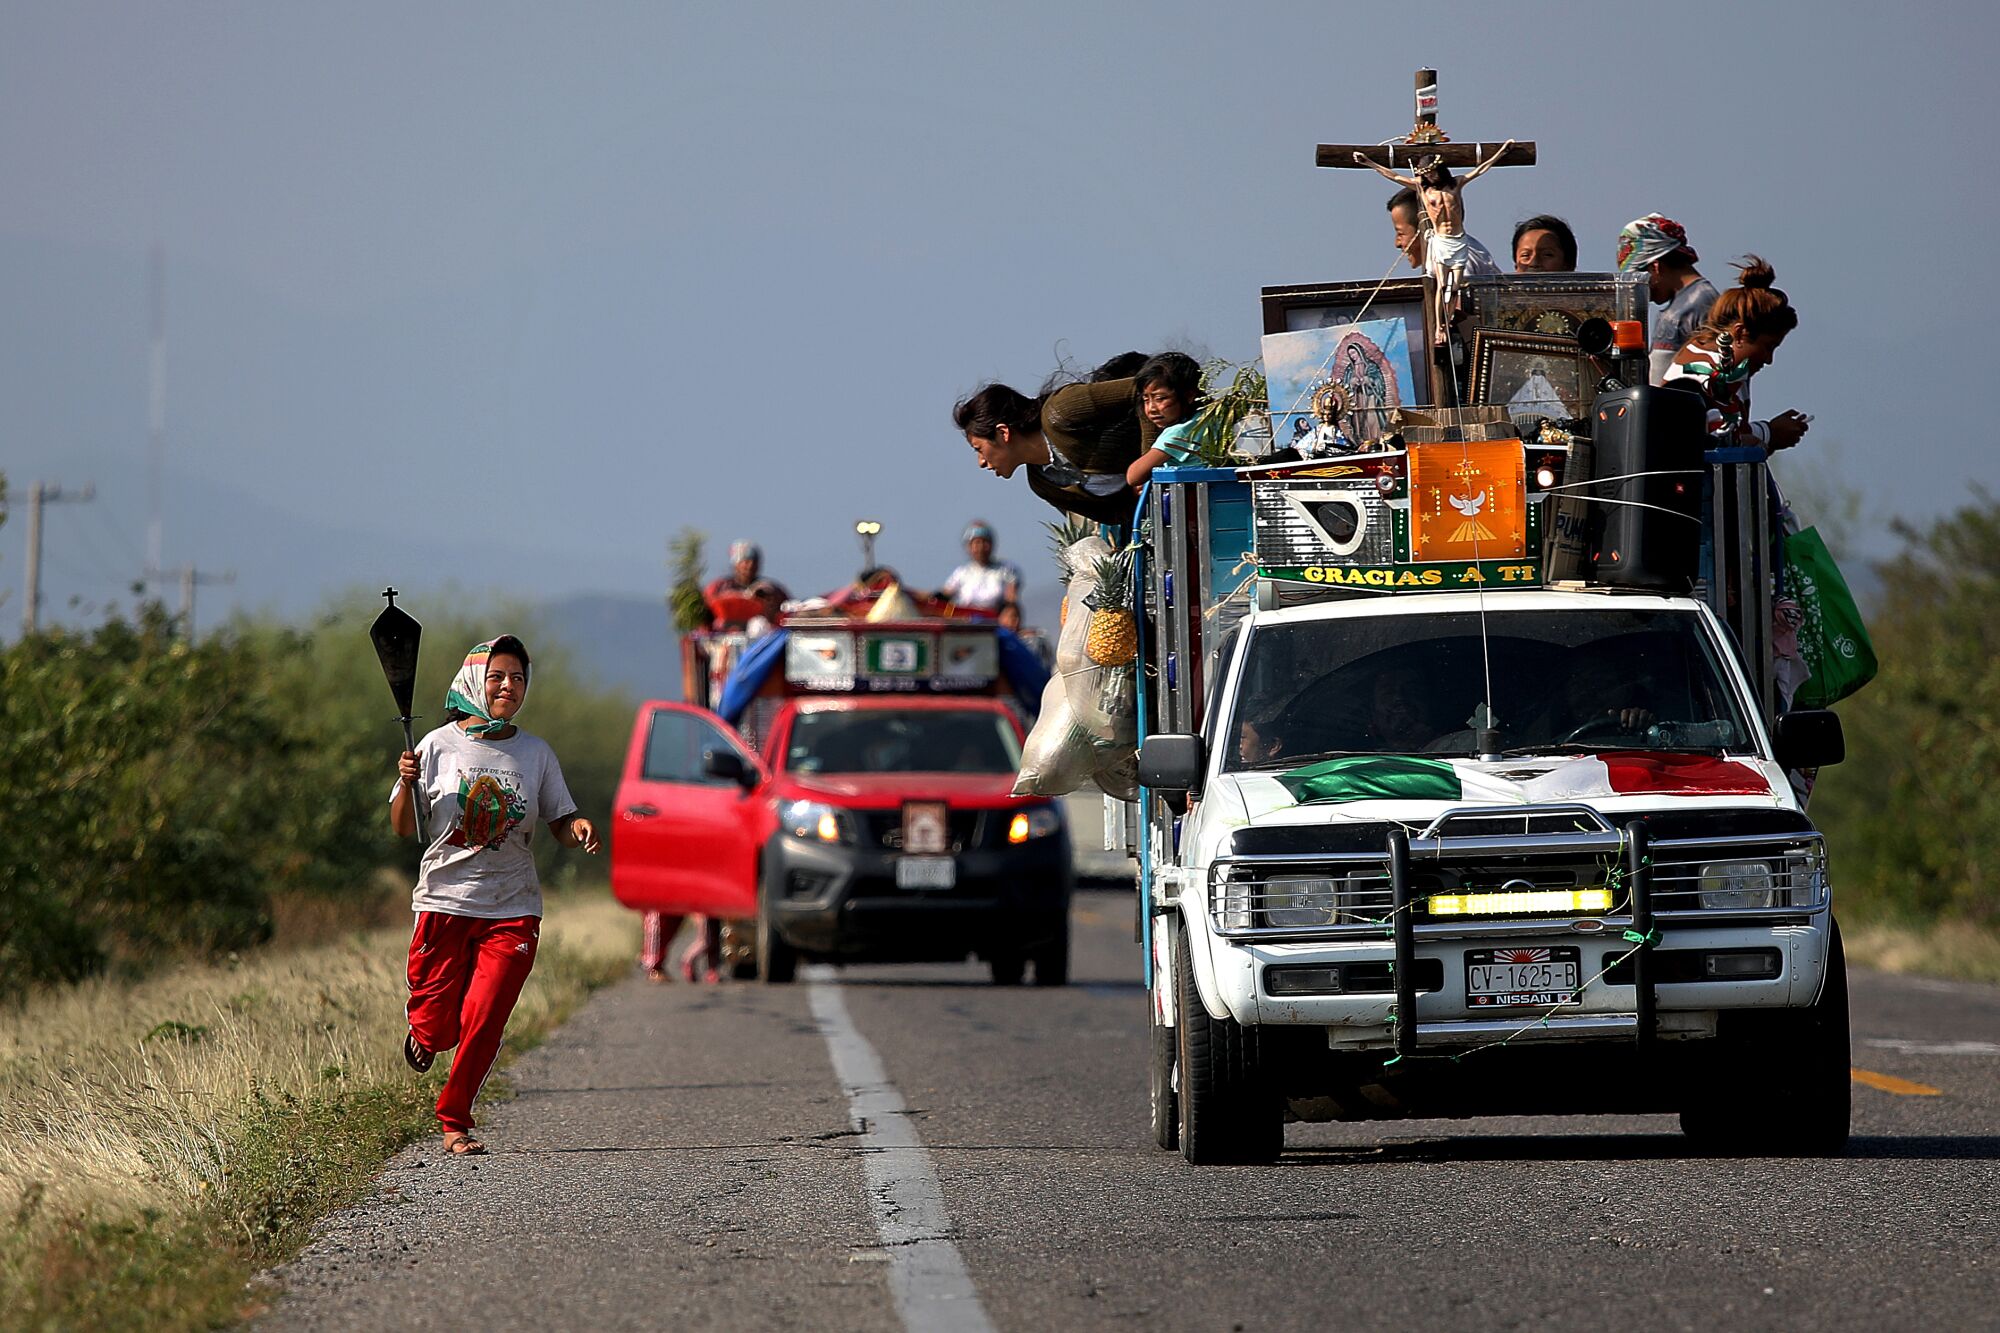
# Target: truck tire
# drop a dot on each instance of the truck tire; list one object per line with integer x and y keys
{"x": 1052, "y": 959}
{"x": 1781, "y": 1084}
{"x": 777, "y": 961}
{"x": 1007, "y": 966}
{"x": 1227, "y": 1110}
{"x": 1162, "y": 1099}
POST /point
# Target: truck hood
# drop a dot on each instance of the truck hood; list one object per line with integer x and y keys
{"x": 1414, "y": 789}
{"x": 887, "y": 791}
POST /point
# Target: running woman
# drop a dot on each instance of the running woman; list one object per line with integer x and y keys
{"x": 486, "y": 784}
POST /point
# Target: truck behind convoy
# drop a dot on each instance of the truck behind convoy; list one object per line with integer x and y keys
{"x": 847, "y": 798}
{"x": 1423, "y": 834}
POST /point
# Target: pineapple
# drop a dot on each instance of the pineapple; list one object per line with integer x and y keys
{"x": 1113, "y": 639}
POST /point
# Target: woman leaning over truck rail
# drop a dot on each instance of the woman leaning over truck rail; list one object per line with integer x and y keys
{"x": 478, "y": 903}
{"x": 1076, "y": 442}
{"x": 1739, "y": 338}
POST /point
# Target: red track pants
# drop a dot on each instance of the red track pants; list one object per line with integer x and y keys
{"x": 465, "y": 974}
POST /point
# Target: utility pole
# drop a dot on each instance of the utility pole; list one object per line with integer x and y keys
{"x": 39, "y": 494}
{"x": 190, "y": 578}
{"x": 156, "y": 409}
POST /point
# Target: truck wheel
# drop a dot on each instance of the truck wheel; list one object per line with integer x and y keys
{"x": 1163, "y": 1100}
{"x": 1052, "y": 959}
{"x": 1007, "y": 965}
{"x": 1228, "y": 1112}
{"x": 1781, "y": 1083}
{"x": 777, "y": 961}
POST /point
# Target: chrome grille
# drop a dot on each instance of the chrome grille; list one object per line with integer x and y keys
{"x": 1350, "y": 895}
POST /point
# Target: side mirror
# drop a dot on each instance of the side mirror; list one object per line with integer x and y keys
{"x": 1810, "y": 738}
{"x": 1171, "y": 764}
{"x": 729, "y": 766}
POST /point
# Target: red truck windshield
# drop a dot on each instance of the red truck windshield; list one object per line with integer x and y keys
{"x": 882, "y": 740}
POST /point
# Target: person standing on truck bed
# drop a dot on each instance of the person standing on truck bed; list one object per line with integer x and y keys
{"x": 1076, "y": 442}
{"x": 478, "y": 901}
{"x": 983, "y": 587}
{"x": 743, "y": 594}
{"x": 1657, "y": 246}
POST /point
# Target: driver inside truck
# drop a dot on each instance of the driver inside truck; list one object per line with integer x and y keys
{"x": 1600, "y": 696}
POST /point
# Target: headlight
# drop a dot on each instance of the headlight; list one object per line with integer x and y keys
{"x": 815, "y": 822}
{"x": 1301, "y": 900}
{"x": 1037, "y": 823}
{"x": 1737, "y": 884}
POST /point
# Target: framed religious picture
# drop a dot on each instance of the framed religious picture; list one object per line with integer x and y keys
{"x": 1355, "y": 375}
{"x": 1325, "y": 305}
{"x": 1531, "y": 375}
{"x": 1551, "y": 303}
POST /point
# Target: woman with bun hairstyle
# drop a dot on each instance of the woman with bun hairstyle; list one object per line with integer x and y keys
{"x": 1740, "y": 337}
{"x": 486, "y": 784}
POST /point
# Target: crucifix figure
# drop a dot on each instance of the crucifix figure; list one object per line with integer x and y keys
{"x": 1450, "y": 254}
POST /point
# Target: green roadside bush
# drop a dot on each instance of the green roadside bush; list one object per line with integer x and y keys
{"x": 157, "y": 792}
{"x": 1913, "y": 816}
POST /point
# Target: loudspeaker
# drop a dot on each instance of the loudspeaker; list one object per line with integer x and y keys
{"x": 1648, "y": 445}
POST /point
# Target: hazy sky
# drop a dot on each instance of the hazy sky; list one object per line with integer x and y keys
{"x": 504, "y": 295}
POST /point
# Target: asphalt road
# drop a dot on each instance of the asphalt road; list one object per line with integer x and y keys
{"x": 881, "y": 1148}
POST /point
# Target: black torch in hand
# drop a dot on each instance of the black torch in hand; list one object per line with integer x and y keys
{"x": 396, "y": 635}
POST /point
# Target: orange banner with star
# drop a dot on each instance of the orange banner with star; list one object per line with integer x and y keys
{"x": 1468, "y": 501}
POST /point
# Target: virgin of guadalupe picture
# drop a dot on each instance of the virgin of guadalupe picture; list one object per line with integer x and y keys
{"x": 1369, "y": 360}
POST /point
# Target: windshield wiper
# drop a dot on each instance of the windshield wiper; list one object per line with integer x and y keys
{"x": 1598, "y": 747}
{"x": 1317, "y": 757}
{"x": 1556, "y": 747}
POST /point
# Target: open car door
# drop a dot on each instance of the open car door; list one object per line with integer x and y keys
{"x": 687, "y": 837}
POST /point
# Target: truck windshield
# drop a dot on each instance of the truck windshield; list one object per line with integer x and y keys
{"x": 1563, "y": 681}
{"x": 883, "y": 740}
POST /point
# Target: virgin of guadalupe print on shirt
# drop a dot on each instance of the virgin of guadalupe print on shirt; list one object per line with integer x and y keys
{"x": 488, "y": 810}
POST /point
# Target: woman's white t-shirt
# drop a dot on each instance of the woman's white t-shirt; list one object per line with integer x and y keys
{"x": 484, "y": 798}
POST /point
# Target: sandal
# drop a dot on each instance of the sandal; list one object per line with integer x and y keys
{"x": 460, "y": 1143}
{"x": 415, "y": 1056}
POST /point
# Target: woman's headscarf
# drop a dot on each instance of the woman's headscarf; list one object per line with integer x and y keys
{"x": 1647, "y": 240}
{"x": 468, "y": 690}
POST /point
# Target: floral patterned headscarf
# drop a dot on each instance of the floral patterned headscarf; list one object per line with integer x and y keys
{"x": 468, "y": 690}
{"x": 1646, "y": 240}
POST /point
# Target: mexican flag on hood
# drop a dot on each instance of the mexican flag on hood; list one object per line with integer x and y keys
{"x": 1616, "y": 773}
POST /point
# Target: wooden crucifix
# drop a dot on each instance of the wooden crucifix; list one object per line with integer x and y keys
{"x": 1428, "y": 155}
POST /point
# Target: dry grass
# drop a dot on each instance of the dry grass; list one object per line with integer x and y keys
{"x": 1959, "y": 950}
{"x": 137, "y": 1100}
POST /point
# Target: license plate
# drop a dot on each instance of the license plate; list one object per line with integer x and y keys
{"x": 1520, "y": 978}
{"x": 930, "y": 872}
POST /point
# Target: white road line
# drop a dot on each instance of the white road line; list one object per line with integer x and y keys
{"x": 927, "y": 1275}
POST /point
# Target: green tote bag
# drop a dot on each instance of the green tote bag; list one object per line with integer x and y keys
{"x": 1833, "y": 640}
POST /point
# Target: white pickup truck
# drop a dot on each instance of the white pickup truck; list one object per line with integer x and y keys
{"x": 1490, "y": 851}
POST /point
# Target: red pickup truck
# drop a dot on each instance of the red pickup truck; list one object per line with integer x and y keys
{"x": 861, "y": 813}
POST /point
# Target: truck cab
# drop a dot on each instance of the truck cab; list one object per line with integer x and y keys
{"x": 861, "y": 812}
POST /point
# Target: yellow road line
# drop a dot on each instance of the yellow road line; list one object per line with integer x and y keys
{"x": 1890, "y": 1083}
